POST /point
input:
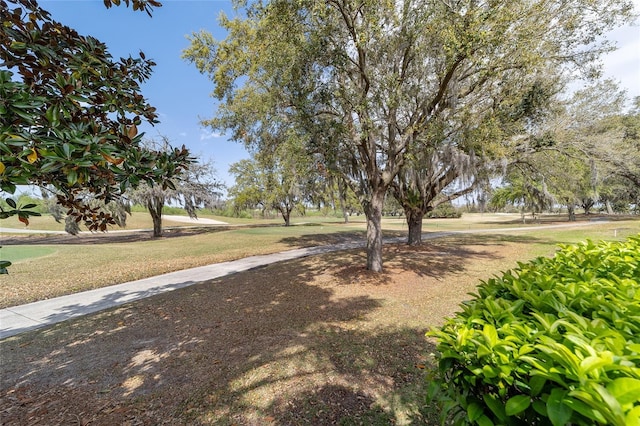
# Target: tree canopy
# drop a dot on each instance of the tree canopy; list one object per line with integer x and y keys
{"x": 368, "y": 81}
{"x": 277, "y": 180}
{"x": 587, "y": 152}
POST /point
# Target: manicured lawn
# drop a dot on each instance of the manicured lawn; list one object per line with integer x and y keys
{"x": 20, "y": 253}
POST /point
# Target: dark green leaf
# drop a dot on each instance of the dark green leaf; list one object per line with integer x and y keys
{"x": 8, "y": 187}
{"x": 558, "y": 412}
{"x": 484, "y": 421}
{"x": 495, "y": 406}
{"x": 474, "y": 411}
{"x": 72, "y": 177}
{"x": 517, "y": 404}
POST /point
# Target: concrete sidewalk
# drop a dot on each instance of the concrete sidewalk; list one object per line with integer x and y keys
{"x": 18, "y": 319}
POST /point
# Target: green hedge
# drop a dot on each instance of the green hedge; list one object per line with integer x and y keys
{"x": 444, "y": 211}
{"x": 553, "y": 342}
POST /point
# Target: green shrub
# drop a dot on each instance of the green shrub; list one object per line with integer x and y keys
{"x": 553, "y": 342}
{"x": 444, "y": 211}
{"x": 229, "y": 211}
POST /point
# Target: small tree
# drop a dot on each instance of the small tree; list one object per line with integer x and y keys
{"x": 268, "y": 183}
{"x": 193, "y": 188}
{"x": 247, "y": 193}
{"x": 524, "y": 192}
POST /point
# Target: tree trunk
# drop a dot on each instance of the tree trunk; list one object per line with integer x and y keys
{"x": 286, "y": 215}
{"x": 373, "y": 211}
{"x": 414, "y": 220}
{"x": 342, "y": 205}
{"x": 342, "y": 199}
{"x": 572, "y": 213}
{"x": 607, "y": 203}
{"x": 156, "y": 216}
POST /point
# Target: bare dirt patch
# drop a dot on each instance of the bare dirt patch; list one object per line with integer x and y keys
{"x": 315, "y": 341}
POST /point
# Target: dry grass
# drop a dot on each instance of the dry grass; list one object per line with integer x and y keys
{"x": 61, "y": 265}
{"x": 71, "y": 264}
{"x": 313, "y": 341}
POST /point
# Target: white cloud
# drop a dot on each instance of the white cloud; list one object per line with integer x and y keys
{"x": 205, "y": 135}
{"x": 624, "y": 63}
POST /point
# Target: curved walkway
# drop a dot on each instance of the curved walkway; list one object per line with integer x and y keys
{"x": 19, "y": 319}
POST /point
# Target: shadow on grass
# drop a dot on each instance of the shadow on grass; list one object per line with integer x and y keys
{"x": 112, "y": 237}
{"x": 269, "y": 346}
{"x": 385, "y": 362}
{"x": 124, "y": 235}
{"x": 434, "y": 258}
{"x": 74, "y": 310}
{"x": 323, "y": 239}
{"x": 399, "y": 237}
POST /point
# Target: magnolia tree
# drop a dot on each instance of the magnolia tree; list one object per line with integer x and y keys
{"x": 69, "y": 114}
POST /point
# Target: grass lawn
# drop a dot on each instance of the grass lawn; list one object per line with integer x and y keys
{"x": 21, "y": 253}
{"x": 312, "y": 341}
{"x": 45, "y": 266}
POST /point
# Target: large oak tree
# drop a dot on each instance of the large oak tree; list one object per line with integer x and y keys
{"x": 368, "y": 80}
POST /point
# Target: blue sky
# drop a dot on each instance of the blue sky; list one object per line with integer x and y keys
{"x": 182, "y": 95}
